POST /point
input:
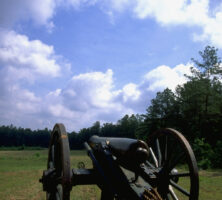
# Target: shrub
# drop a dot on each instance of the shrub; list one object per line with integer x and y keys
{"x": 204, "y": 153}
{"x": 217, "y": 156}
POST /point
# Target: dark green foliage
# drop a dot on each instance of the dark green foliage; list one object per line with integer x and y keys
{"x": 217, "y": 156}
{"x": 163, "y": 112}
{"x": 204, "y": 153}
{"x": 128, "y": 125}
{"x": 22, "y": 138}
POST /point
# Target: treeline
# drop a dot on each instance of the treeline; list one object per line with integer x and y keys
{"x": 11, "y": 136}
{"x": 194, "y": 108}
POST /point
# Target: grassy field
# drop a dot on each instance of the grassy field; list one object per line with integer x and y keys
{"x": 21, "y": 170}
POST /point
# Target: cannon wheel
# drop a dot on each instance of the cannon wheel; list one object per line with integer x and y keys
{"x": 174, "y": 164}
{"x": 59, "y": 162}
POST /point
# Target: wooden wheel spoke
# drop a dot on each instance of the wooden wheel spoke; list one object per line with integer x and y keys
{"x": 174, "y": 162}
{"x": 168, "y": 197}
{"x": 165, "y": 148}
{"x": 169, "y": 154}
{"x": 50, "y": 196}
{"x": 159, "y": 155}
{"x": 149, "y": 164}
{"x": 153, "y": 157}
{"x": 180, "y": 174}
{"x": 51, "y": 165}
{"x": 179, "y": 188}
{"x": 53, "y": 153}
{"x": 59, "y": 191}
{"x": 172, "y": 193}
{"x": 58, "y": 196}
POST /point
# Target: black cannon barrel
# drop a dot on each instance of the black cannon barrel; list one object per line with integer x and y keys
{"x": 129, "y": 152}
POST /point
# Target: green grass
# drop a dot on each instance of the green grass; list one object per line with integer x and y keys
{"x": 20, "y": 148}
{"x": 21, "y": 170}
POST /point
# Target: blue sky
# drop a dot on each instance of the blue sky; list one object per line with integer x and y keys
{"x": 80, "y": 61}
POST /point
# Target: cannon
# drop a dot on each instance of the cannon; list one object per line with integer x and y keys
{"x": 162, "y": 168}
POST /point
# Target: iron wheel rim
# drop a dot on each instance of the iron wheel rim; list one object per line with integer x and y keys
{"x": 59, "y": 160}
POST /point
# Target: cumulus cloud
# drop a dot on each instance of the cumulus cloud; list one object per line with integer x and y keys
{"x": 19, "y": 106}
{"x": 138, "y": 96}
{"x": 177, "y": 12}
{"x": 92, "y": 96}
{"x": 99, "y": 85}
{"x": 85, "y": 99}
{"x": 184, "y": 12}
{"x": 212, "y": 29}
{"x": 24, "y": 62}
{"x": 164, "y": 76}
{"x": 25, "y": 59}
{"x": 173, "y": 11}
{"x": 39, "y": 11}
{"x": 130, "y": 91}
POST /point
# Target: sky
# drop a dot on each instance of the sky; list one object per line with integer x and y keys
{"x": 80, "y": 61}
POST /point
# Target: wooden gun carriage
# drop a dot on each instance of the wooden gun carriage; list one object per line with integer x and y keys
{"x": 162, "y": 168}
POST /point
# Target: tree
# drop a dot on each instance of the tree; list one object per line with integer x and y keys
{"x": 163, "y": 112}
{"x": 128, "y": 125}
{"x": 200, "y": 98}
{"x": 208, "y": 67}
{"x": 109, "y": 130}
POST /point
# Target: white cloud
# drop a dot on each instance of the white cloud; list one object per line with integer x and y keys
{"x": 25, "y": 63}
{"x": 94, "y": 96}
{"x": 130, "y": 91}
{"x": 90, "y": 89}
{"x": 39, "y": 11}
{"x": 61, "y": 111}
{"x": 164, "y": 76}
{"x": 183, "y": 12}
{"x": 137, "y": 96}
{"x": 176, "y": 12}
{"x": 19, "y": 106}
{"x": 26, "y": 59}
{"x": 86, "y": 98}
{"x": 173, "y": 11}
{"x": 212, "y": 30}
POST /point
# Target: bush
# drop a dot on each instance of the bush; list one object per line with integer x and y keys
{"x": 217, "y": 156}
{"x": 21, "y": 147}
{"x": 204, "y": 153}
